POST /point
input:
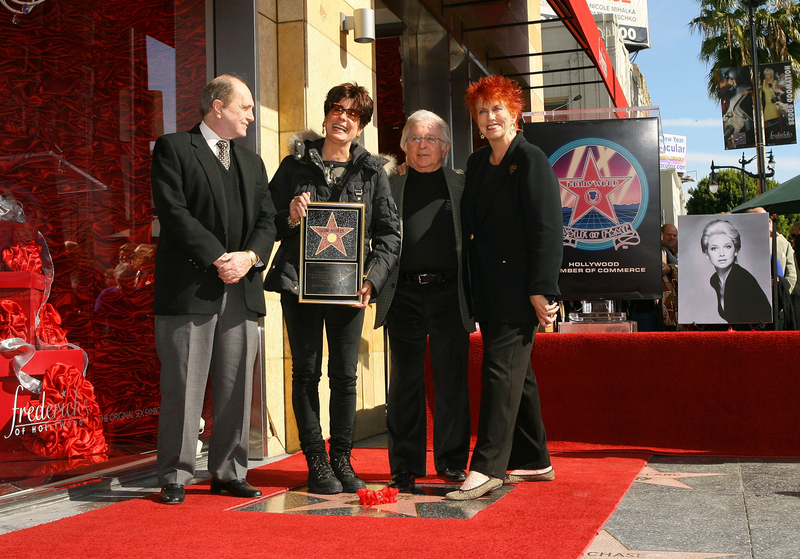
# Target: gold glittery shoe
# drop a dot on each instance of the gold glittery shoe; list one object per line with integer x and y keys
{"x": 517, "y": 478}
{"x": 479, "y": 491}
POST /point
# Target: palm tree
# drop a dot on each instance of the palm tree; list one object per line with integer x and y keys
{"x": 725, "y": 26}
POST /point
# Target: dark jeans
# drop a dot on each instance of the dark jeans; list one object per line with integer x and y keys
{"x": 419, "y": 311}
{"x": 511, "y": 434}
{"x": 304, "y": 325}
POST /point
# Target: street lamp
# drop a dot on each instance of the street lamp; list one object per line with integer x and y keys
{"x": 713, "y": 186}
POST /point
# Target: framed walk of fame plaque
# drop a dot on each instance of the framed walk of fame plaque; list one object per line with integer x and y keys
{"x": 332, "y": 253}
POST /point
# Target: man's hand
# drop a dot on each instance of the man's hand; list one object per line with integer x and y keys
{"x": 233, "y": 266}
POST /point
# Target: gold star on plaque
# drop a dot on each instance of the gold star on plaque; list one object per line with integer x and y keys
{"x": 331, "y": 235}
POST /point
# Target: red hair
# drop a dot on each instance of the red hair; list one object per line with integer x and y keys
{"x": 495, "y": 88}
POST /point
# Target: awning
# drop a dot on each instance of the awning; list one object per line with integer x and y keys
{"x": 781, "y": 200}
{"x": 580, "y": 22}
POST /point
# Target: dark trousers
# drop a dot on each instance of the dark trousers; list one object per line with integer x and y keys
{"x": 304, "y": 325}
{"x": 417, "y": 312}
{"x": 510, "y": 430}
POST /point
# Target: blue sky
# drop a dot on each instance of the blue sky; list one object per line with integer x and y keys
{"x": 676, "y": 79}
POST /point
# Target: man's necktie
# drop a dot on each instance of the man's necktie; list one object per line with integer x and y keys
{"x": 224, "y": 156}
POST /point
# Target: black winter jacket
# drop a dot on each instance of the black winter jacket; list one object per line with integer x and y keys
{"x": 365, "y": 181}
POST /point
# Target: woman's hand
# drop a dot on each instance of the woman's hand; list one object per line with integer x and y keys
{"x": 545, "y": 311}
{"x": 366, "y": 295}
{"x": 298, "y": 205}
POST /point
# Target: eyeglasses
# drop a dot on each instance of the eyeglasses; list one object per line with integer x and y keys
{"x": 352, "y": 114}
{"x": 431, "y": 140}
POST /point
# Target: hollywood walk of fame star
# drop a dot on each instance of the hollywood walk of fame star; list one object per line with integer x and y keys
{"x": 592, "y": 191}
{"x": 668, "y": 479}
{"x": 426, "y": 501}
{"x": 606, "y": 545}
{"x": 406, "y": 504}
{"x": 331, "y": 235}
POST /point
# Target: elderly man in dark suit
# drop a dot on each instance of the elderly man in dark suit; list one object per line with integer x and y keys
{"x": 425, "y": 297}
{"x": 217, "y": 232}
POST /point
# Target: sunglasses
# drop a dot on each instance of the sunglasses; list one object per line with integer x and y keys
{"x": 352, "y": 114}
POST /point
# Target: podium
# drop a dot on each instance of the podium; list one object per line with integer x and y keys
{"x": 597, "y": 323}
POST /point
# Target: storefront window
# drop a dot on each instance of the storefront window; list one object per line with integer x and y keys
{"x": 87, "y": 86}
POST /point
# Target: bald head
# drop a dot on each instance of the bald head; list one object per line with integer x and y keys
{"x": 669, "y": 236}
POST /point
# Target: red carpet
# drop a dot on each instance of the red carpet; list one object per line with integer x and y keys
{"x": 534, "y": 521}
{"x": 719, "y": 393}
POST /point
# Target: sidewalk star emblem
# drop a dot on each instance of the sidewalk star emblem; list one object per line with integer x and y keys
{"x": 606, "y": 545}
{"x": 669, "y": 479}
{"x": 331, "y": 235}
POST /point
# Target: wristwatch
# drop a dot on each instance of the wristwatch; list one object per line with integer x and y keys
{"x": 253, "y": 257}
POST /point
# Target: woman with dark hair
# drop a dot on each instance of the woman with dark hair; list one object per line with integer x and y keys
{"x": 511, "y": 217}
{"x": 332, "y": 168}
{"x": 739, "y": 296}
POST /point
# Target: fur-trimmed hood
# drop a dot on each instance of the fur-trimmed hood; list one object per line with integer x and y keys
{"x": 301, "y": 142}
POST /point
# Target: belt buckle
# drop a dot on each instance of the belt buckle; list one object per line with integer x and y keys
{"x": 425, "y": 279}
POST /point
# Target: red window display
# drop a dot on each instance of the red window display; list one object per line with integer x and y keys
{"x": 87, "y": 86}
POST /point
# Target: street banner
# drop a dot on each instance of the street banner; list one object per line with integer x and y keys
{"x": 608, "y": 171}
{"x": 736, "y": 101}
{"x": 777, "y": 100}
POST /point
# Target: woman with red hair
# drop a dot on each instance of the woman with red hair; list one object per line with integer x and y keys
{"x": 512, "y": 226}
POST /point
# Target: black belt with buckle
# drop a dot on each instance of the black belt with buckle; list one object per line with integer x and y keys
{"x": 424, "y": 279}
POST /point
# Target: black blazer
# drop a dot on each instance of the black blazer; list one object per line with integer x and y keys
{"x": 186, "y": 181}
{"x": 513, "y": 232}
{"x": 744, "y": 299}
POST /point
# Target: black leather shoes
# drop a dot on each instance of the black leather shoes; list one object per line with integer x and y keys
{"x": 452, "y": 474}
{"x": 236, "y": 487}
{"x": 402, "y": 480}
{"x": 172, "y": 494}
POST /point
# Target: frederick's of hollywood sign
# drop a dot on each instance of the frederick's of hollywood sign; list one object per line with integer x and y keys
{"x": 44, "y": 416}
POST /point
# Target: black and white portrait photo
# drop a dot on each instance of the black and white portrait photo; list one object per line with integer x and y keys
{"x": 724, "y": 269}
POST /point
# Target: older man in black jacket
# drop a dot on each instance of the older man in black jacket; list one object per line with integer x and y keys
{"x": 425, "y": 297}
{"x": 217, "y": 230}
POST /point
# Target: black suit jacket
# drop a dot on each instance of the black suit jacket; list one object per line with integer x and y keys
{"x": 187, "y": 190}
{"x": 513, "y": 232}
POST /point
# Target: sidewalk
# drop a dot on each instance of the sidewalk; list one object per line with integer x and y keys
{"x": 678, "y": 508}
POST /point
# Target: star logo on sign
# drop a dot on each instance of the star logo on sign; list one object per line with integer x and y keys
{"x": 592, "y": 191}
{"x": 331, "y": 235}
{"x": 668, "y": 479}
{"x": 606, "y": 545}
